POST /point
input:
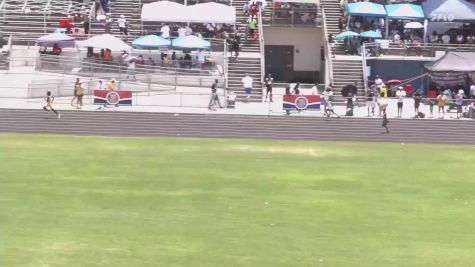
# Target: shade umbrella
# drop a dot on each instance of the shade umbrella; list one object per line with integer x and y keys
{"x": 371, "y": 34}
{"x": 151, "y": 42}
{"x": 106, "y": 41}
{"x": 61, "y": 39}
{"x": 413, "y": 25}
{"x": 191, "y": 42}
{"x": 346, "y": 34}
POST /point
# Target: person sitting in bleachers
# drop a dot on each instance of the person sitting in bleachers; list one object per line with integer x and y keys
{"x": 56, "y": 50}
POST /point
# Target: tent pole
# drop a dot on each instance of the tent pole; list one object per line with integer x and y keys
{"x": 387, "y": 28}
{"x": 425, "y": 30}
{"x": 348, "y": 23}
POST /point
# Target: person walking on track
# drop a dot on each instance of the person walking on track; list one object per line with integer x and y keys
{"x": 74, "y": 92}
{"x": 214, "y": 96}
{"x": 49, "y": 104}
{"x": 385, "y": 122}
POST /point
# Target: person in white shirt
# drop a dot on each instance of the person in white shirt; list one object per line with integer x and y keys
{"x": 188, "y": 31}
{"x": 201, "y": 57}
{"x": 122, "y": 25}
{"x": 131, "y": 69}
{"x": 165, "y": 30}
{"x": 472, "y": 91}
{"x": 446, "y": 39}
{"x": 181, "y": 32}
{"x": 397, "y": 38}
{"x": 459, "y": 39}
{"x": 378, "y": 82}
{"x": 400, "y": 95}
{"x": 315, "y": 89}
{"x": 101, "y": 86}
{"x": 247, "y": 83}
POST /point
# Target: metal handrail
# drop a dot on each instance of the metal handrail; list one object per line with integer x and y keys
{"x": 70, "y": 6}
{"x": 91, "y": 12}
{"x": 365, "y": 71}
{"x": 225, "y": 67}
{"x": 328, "y": 56}
{"x": 24, "y": 6}
{"x": 261, "y": 45}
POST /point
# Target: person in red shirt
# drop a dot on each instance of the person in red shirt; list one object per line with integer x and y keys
{"x": 56, "y": 50}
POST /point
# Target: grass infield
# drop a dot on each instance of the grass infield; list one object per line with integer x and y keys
{"x": 126, "y": 202}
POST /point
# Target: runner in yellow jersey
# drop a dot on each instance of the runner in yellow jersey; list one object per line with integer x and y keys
{"x": 49, "y": 104}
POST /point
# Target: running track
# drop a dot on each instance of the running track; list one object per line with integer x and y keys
{"x": 236, "y": 126}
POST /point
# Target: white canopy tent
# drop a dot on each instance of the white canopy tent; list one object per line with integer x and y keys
{"x": 212, "y": 13}
{"x": 166, "y": 11}
{"x": 105, "y": 41}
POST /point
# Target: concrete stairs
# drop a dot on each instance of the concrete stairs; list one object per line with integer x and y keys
{"x": 346, "y": 72}
{"x": 332, "y": 14}
{"x": 248, "y": 62}
{"x": 237, "y": 69}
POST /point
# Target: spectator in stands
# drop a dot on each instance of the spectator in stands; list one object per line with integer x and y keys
{"x": 296, "y": 90}
{"x": 151, "y": 62}
{"x": 459, "y": 39}
{"x": 446, "y": 39}
{"x": 434, "y": 38}
{"x": 252, "y": 26}
{"x": 108, "y": 55}
{"x": 400, "y": 95}
{"x": 101, "y": 86}
{"x": 165, "y": 31}
{"x": 122, "y": 22}
{"x": 86, "y": 22}
{"x": 253, "y": 11}
{"x": 201, "y": 58}
{"x": 470, "y": 39}
{"x": 56, "y": 50}
{"x": 105, "y": 6}
{"x": 189, "y": 31}
{"x": 331, "y": 42}
{"x": 112, "y": 85}
{"x": 187, "y": 61}
{"x": 108, "y": 24}
{"x": 131, "y": 69}
{"x": 181, "y": 32}
{"x": 472, "y": 90}
{"x": 140, "y": 61}
{"x": 235, "y": 46}
{"x": 247, "y": 83}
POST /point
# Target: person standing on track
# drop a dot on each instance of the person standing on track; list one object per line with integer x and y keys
{"x": 49, "y": 104}
{"x": 385, "y": 122}
{"x": 441, "y": 102}
{"x": 269, "y": 81}
{"x": 75, "y": 91}
{"x": 79, "y": 95}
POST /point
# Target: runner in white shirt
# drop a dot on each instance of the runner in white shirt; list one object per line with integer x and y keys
{"x": 247, "y": 83}
{"x": 165, "y": 30}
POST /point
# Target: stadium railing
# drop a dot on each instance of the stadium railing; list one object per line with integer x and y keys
{"x": 292, "y": 17}
{"x": 423, "y": 49}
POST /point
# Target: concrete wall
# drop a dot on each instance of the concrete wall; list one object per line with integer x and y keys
{"x": 306, "y": 42}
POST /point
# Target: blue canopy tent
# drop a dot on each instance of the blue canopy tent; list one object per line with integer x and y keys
{"x": 346, "y": 34}
{"x": 405, "y": 11}
{"x": 371, "y": 34}
{"x": 151, "y": 42}
{"x": 449, "y": 10}
{"x": 191, "y": 42}
{"x": 366, "y": 9}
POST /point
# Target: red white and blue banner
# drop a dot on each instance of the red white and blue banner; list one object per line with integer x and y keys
{"x": 121, "y": 98}
{"x": 301, "y": 102}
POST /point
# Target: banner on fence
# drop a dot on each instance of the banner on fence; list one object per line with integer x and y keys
{"x": 301, "y": 102}
{"x": 121, "y": 98}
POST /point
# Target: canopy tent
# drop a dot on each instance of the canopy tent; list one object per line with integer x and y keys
{"x": 371, "y": 34}
{"x": 212, "y": 13}
{"x": 165, "y": 11}
{"x": 191, "y": 42}
{"x": 449, "y": 10}
{"x": 405, "y": 11}
{"x": 61, "y": 39}
{"x": 151, "y": 42}
{"x": 346, "y": 34}
{"x": 298, "y": 1}
{"x": 105, "y": 41}
{"x": 453, "y": 62}
{"x": 366, "y": 9}
{"x": 413, "y": 25}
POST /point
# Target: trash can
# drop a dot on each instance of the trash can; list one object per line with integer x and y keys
{"x": 230, "y": 99}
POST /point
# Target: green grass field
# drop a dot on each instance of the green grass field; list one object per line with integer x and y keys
{"x": 90, "y": 201}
